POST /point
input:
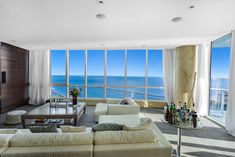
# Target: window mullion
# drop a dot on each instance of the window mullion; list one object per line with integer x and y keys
{"x": 105, "y": 73}
{"x": 85, "y": 73}
{"x": 146, "y": 75}
{"x": 67, "y": 73}
{"x": 125, "y": 73}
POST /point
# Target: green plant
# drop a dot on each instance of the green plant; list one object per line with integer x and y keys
{"x": 74, "y": 91}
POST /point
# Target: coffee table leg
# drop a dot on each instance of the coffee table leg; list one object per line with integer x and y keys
{"x": 84, "y": 110}
{"x": 75, "y": 121}
{"x": 23, "y": 122}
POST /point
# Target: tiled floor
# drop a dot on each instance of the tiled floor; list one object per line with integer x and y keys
{"x": 209, "y": 141}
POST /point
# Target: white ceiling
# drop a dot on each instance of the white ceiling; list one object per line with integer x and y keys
{"x": 129, "y": 24}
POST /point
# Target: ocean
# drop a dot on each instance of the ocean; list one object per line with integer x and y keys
{"x": 153, "y": 92}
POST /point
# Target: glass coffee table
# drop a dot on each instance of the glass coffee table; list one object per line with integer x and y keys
{"x": 54, "y": 114}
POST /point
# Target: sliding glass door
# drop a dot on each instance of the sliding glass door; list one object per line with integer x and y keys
{"x": 220, "y": 60}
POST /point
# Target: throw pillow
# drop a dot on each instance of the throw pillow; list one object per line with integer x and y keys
{"x": 107, "y": 127}
{"x": 124, "y": 102}
{"x": 142, "y": 126}
{"x": 43, "y": 129}
{"x": 71, "y": 129}
{"x": 127, "y": 101}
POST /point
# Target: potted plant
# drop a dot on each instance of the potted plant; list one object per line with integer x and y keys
{"x": 74, "y": 92}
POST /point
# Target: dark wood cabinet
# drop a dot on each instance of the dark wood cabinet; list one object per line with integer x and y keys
{"x": 14, "y": 85}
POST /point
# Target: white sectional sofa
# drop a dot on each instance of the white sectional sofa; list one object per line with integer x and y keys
{"x": 117, "y": 109}
{"x": 141, "y": 143}
{"x": 161, "y": 147}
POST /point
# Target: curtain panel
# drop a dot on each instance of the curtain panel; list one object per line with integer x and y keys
{"x": 201, "y": 91}
{"x": 169, "y": 74}
{"x": 39, "y": 76}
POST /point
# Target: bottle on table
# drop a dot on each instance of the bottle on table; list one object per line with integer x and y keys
{"x": 194, "y": 119}
{"x": 170, "y": 116}
{"x": 166, "y": 112}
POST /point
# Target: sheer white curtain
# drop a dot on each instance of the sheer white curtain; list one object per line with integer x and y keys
{"x": 168, "y": 74}
{"x": 201, "y": 91}
{"x": 230, "y": 115}
{"x": 39, "y": 76}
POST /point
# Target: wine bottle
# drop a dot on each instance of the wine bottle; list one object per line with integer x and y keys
{"x": 166, "y": 112}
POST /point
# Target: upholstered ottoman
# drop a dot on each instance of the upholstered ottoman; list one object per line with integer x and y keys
{"x": 14, "y": 117}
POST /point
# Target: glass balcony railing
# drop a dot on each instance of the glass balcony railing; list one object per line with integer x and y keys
{"x": 114, "y": 93}
{"x": 218, "y": 104}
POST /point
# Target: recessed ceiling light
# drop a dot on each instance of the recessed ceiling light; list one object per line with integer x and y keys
{"x": 192, "y": 6}
{"x": 177, "y": 19}
{"x": 100, "y": 2}
{"x": 101, "y": 16}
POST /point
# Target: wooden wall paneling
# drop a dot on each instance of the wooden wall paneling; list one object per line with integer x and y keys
{"x": 14, "y": 61}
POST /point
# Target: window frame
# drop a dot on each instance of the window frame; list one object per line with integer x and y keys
{"x": 210, "y": 75}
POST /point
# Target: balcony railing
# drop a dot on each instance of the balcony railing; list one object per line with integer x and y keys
{"x": 218, "y": 104}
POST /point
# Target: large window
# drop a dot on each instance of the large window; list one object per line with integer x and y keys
{"x": 76, "y": 69}
{"x": 115, "y": 74}
{"x": 220, "y": 57}
{"x": 155, "y": 75}
{"x": 108, "y": 73}
{"x": 58, "y": 73}
{"x": 95, "y": 73}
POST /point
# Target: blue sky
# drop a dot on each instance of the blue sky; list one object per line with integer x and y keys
{"x": 136, "y": 62}
{"x": 220, "y": 60}
{"x": 115, "y": 62}
{"x": 220, "y": 57}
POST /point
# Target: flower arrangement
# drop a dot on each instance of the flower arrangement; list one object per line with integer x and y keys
{"x": 74, "y": 91}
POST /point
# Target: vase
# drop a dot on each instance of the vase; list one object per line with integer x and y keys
{"x": 75, "y": 100}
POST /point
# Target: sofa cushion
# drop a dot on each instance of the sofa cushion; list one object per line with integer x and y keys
{"x": 67, "y": 129}
{"x": 8, "y": 131}
{"x": 117, "y": 109}
{"x": 120, "y": 119}
{"x": 52, "y": 151}
{"x": 45, "y": 129}
{"x": 4, "y": 139}
{"x": 107, "y": 127}
{"x": 142, "y": 126}
{"x": 101, "y": 109}
{"x": 48, "y": 139}
{"x": 132, "y": 150}
{"x": 124, "y": 137}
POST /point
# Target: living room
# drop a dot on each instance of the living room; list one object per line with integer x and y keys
{"x": 117, "y": 78}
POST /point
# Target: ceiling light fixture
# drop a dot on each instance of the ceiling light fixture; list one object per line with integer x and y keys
{"x": 177, "y": 19}
{"x": 100, "y": 2}
{"x": 192, "y": 6}
{"x": 100, "y": 16}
